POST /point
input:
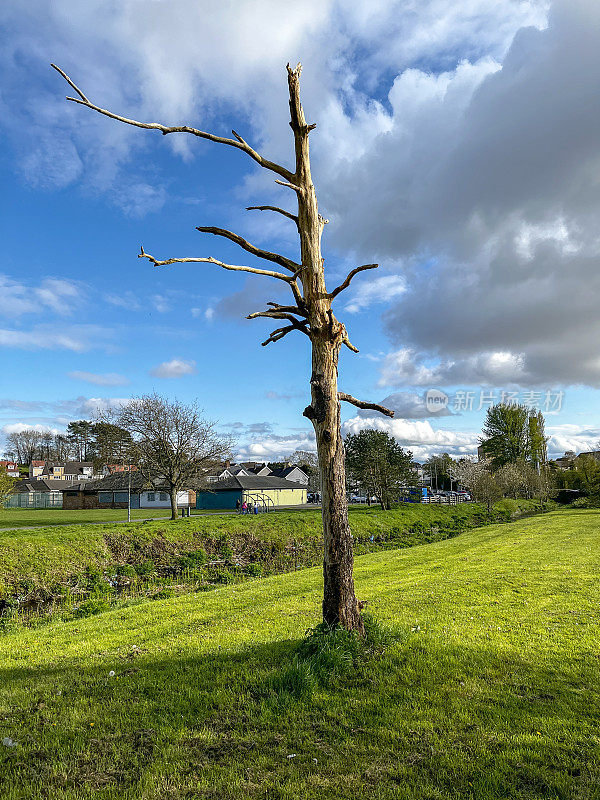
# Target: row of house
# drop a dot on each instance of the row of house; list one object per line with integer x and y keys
{"x": 73, "y": 485}
{"x": 62, "y": 470}
{"x": 289, "y": 472}
{"x": 119, "y": 489}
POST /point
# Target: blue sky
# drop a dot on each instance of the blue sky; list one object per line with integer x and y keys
{"x": 430, "y": 156}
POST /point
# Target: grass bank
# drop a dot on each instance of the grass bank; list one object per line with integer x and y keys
{"x": 489, "y": 690}
{"x": 11, "y": 518}
{"x": 43, "y": 563}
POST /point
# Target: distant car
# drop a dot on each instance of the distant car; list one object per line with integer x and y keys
{"x": 358, "y": 498}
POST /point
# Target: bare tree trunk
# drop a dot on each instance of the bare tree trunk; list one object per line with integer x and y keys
{"x": 340, "y": 606}
{"x": 173, "y": 497}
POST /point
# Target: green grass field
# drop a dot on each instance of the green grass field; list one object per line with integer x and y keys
{"x": 489, "y": 689}
{"x": 23, "y": 517}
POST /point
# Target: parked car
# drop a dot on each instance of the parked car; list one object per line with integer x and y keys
{"x": 358, "y": 498}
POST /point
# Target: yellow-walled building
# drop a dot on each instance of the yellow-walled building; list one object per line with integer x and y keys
{"x": 265, "y": 492}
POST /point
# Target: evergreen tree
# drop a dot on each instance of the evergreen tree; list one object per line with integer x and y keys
{"x": 378, "y": 465}
{"x": 514, "y": 433}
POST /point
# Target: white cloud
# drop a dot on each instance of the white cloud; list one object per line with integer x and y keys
{"x": 95, "y": 406}
{"x": 408, "y": 405}
{"x": 405, "y": 368}
{"x": 378, "y": 290}
{"x": 127, "y": 300}
{"x": 77, "y": 338}
{"x": 418, "y": 436}
{"x": 139, "y": 199}
{"x": 186, "y": 60}
{"x": 56, "y": 295}
{"x": 207, "y": 313}
{"x": 106, "y": 379}
{"x": 485, "y": 188}
{"x": 18, "y": 427}
{"x": 176, "y": 368}
{"x": 161, "y": 304}
{"x": 571, "y": 437}
{"x": 456, "y": 139}
{"x": 274, "y": 448}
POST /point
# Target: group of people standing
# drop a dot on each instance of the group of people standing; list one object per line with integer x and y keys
{"x": 243, "y": 507}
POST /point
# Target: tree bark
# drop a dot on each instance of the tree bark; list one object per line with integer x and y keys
{"x": 340, "y": 606}
{"x": 173, "y": 498}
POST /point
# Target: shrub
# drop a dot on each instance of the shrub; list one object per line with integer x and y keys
{"x": 91, "y": 607}
{"x": 584, "y": 502}
{"x": 418, "y": 527}
{"x": 94, "y": 578}
{"x": 191, "y": 559}
{"x": 163, "y": 594}
{"x": 145, "y": 569}
{"x": 223, "y": 576}
{"x": 253, "y": 570}
{"x": 226, "y": 551}
{"x": 195, "y": 575}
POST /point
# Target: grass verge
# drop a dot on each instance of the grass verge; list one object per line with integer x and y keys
{"x": 11, "y": 518}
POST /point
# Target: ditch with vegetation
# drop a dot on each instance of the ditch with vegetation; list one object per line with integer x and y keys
{"x": 73, "y": 572}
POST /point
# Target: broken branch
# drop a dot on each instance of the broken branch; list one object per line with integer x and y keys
{"x": 272, "y": 315}
{"x": 279, "y": 333}
{"x": 293, "y": 186}
{"x": 210, "y": 260}
{"x": 287, "y": 263}
{"x": 362, "y": 404}
{"x": 165, "y": 129}
{"x": 290, "y": 309}
{"x": 346, "y": 282}
{"x": 287, "y": 214}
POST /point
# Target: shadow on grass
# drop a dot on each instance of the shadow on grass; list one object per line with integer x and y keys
{"x": 422, "y": 720}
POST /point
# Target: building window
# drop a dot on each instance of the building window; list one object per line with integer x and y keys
{"x": 164, "y": 496}
{"x": 104, "y": 497}
{"x": 120, "y": 497}
{"x": 151, "y": 497}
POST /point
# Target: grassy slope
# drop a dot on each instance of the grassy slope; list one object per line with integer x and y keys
{"x": 11, "y": 518}
{"x": 493, "y": 695}
{"x": 48, "y": 554}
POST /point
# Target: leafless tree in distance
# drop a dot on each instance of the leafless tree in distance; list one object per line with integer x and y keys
{"x": 171, "y": 443}
{"x": 310, "y": 313}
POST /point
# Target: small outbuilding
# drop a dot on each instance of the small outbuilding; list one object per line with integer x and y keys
{"x": 266, "y": 492}
{"x": 36, "y": 493}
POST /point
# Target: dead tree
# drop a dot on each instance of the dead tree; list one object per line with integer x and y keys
{"x": 309, "y": 313}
